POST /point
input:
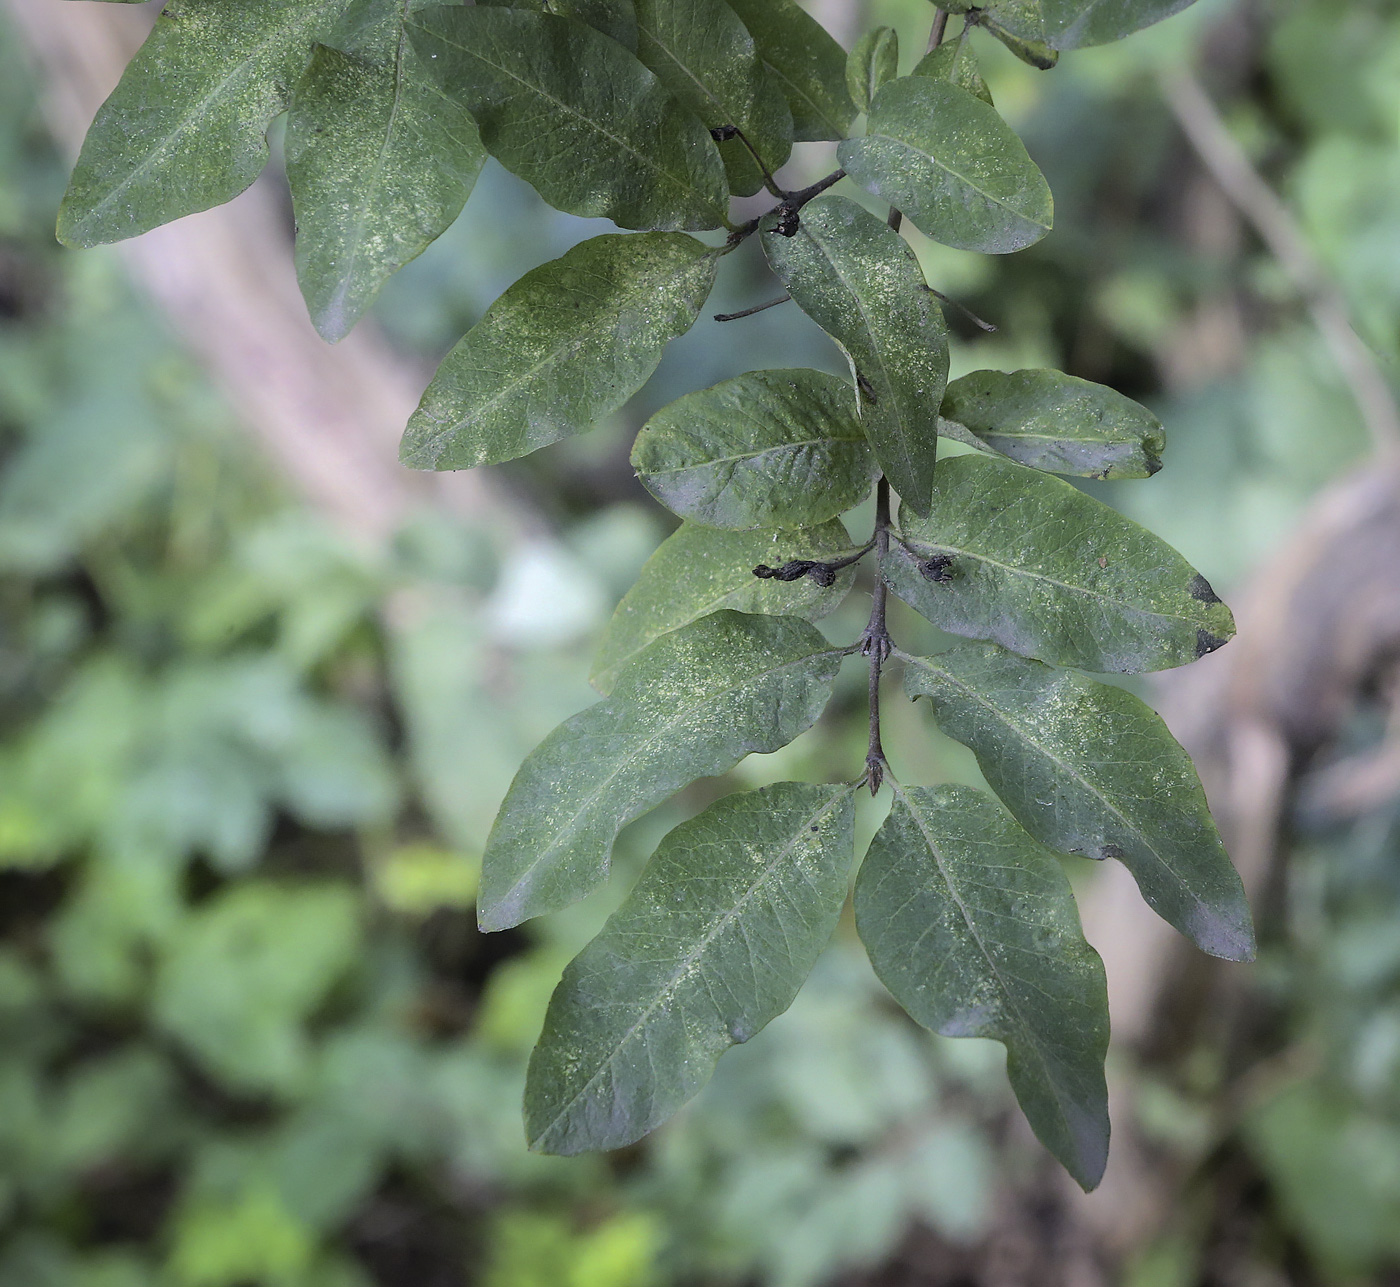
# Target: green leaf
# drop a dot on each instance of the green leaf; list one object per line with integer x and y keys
{"x": 1088, "y": 768}
{"x": 186, "y": 127}
{"x": 714, "y": 942}
{"x": 705, "y": 56}
{"x": 766, "y": 449}
{"x": 809, "y": 66}
{"x": 690, "y": 705}
{"x": 1055, "y": 422}
{"x": 379, "y": 163}
{"x": 972, "y": 926}
{"x": 873, "y": 61}
{"x": 699, "y": 570}
{"x": 952, "y": 165}
{"x": 576, "y": 115}
{"x": 860, "y": 282}
{"x": 956, "y": 62}
{"x": 615, "y": 18}
{"x": 570, "y": 342}
{"x": 1032, "y": 563}
{"x": 1034, "y": 52}
{"x": 1073, "y": 24}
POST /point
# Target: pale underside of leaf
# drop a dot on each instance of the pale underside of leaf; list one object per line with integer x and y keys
{"x": 714, "y": 942}
{"x": 692, "y": 704}
{"x": 1091, "y": 769}
{"x": 972, "y": 926}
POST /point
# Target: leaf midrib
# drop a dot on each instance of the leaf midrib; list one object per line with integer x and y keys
{"x": 200, "y": 107}
{"x": 917, "y": 151}
{"x": 1029, "y": 1033}
{"x": 753, "y": 455}
{"x": 1021, "y": 731}
{"x": 691, "y": 961}
{"x": 677, "y": 182}
{"x": 1123, "y": 604}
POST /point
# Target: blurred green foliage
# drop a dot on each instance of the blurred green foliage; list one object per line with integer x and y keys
{"x": 248, "y": 1030}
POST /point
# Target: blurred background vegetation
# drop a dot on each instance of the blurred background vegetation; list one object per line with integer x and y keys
{"x": 249, "y": 752}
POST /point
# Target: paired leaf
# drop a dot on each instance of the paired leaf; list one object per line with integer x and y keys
{"x": 952, "y": 165}
{"x": 956, "y": 62}
{"x": 575, "y": 115}
{"x": 569, "y": 342}
{"x": 714, "y": 942}
{"x": 186, "y": 127}
{"x": 972, "y": 926}
{"x": 702, "y": 53}
{"x": 860, "y": 282}
{"x": 873, "y": 61}
{"x": 1032, "y": 563}
{"x": 1052, "y": 421}
{"x": 807, "y": 64}
{"x": 766, "y": 449}
{"x": 1088, "y": 768}
{"x": 615, "y": 18}
{"x": 690, "y": 705}
{"x": 699, "y": 570}
{"x": 379, "y": 163}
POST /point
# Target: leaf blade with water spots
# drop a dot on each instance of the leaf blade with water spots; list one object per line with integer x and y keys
{"x": 699, "y": 570}
{"x": 972, "y": 926}
{"x": 576, "y": 116}
{"x": 379, "y": 164}
{"x": 690, "y": 705}
{"x": 1056, "y": 422}
{"x": 186, "y": 127}
{"x": 1089, "y": 768}
{"x": 1031, "y": 563}
{"x": 703, "y": 53}
{"x": 714, "y": 942}
{"x": 952, "y": 165}
{"x": 766, "y": 449}
{"x": 570, "y": 342}
{"x": 807, "y": 63}
{"x": 860, "y": 282}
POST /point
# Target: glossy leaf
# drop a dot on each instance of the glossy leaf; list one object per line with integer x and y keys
{"x": 873, "y": 60}
{"x": 576, "y": 115}
{"x": 1055, "y": 422}
{"x": 703, "y": 53}
{"x": 808, "y": 65}
{"x": 860, "y": 282}
{"x": 690, "y": 705}
{"x": 972, "y": 926}
{"x": 569, "y": 342}
{"x": 952, "y": 165}
{"x": 714, "y": 942}
{"x": 186, "y": 127}
{"x": 699, "y": 570}
{"x": 615, "y": 18}
{"x": 1030, "y": 50}
{"x": 379, "y": 163}
{"x": 1088, "y": 768}
{"x": 956, "y": 61}
{"x": 766, "y": 449}
{"x": 1032, "y": 563}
